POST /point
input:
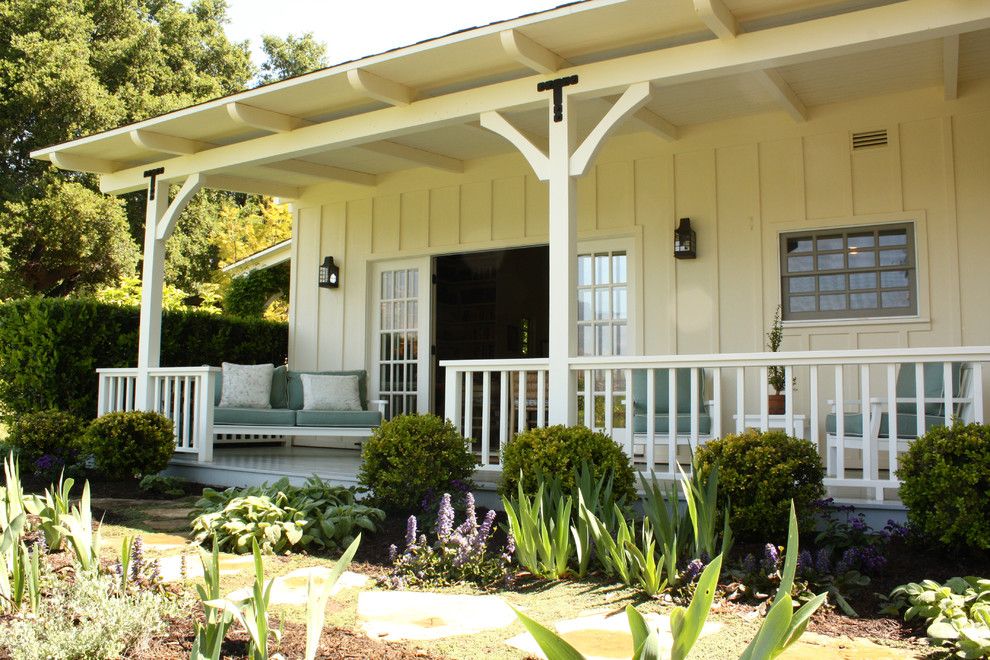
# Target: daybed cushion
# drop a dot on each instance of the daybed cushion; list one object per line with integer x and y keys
{"x": 279, "y": 396}
{"x": 338, "y": 418}
{"x": 295, "y": 386}
{"x": 907, "y": 425}
{"x": 683, "y": 423}
{"x": 246, "y": 385}
{"x": 330, "y": 392}
{"x": 254, "y": 417}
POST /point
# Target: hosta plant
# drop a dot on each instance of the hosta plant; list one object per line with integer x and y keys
{"x": 956, "y": 614}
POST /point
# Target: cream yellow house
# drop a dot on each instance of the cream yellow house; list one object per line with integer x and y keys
{"x": 502, "y": 204}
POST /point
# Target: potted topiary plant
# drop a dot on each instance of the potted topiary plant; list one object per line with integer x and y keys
{"x": 776, "y": 402}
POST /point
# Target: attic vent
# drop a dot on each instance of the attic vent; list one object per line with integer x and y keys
{"x": 866, "y": 139}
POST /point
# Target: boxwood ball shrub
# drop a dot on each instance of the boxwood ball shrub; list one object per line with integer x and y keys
{"x": 759, "y": 474}
{"x": 130, "y": 444}
{"x": 557, "y": 451}
{"x": 412, "y": 456}
{"x": 945, "y": 477}
{"x": 47, "y": 433}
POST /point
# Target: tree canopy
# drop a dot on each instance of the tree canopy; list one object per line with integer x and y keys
{"x": 70, "y": 68}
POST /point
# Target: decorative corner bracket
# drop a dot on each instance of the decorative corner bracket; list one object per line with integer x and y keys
{"x": 557, "y": 85}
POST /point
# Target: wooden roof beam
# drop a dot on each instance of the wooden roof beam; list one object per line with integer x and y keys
{"x": 250, "y": 186}
{"x": 717, "y": 17}
{"x": 321, "y": 171}
{"x": 264, "y": 120}
{"x": 529, "y": 53}
{"x": 378, "y": 88}
{"x": 166, "y": 144}
{"x": 415, "y": 155}
{"x": 950, "y": 66}
{"x": 78, "y": 163}
{"x": 783, "y": 94}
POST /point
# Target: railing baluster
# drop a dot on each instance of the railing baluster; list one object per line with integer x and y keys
{"x": 469, "y": 406}
{"x": 451, "y": 397}
{"x": 672, "y": 462}
{"x": 186, "y": 403}
{"x": 541, "y": 398}
{"x": 764, "y": 402}
{"x": 740, "y": 399}
{"x": 716, "y": 412}
{"x": 868, "y": 435}
{"x": 629, "y": 413}
{"x": 789, "y": 400}
{"x": 521, "y": 411}
{"x": 839, "y": 460}
{"x": 608, "y": 402}
{"x": 695, "y": 410}
{"x": 919, "y": 397}
{"x": 651, "y": 418}
{"x": 486, "y": 416}
{"x": 976, "y": 392}
{"x": 813, "y": 404}
{"x": 892, "y": 432}
{"x": 119, "y": 395}
{"x": 503, "y": 411}
{"x": 947, "y": 387}
{"x": 589, "y": 400}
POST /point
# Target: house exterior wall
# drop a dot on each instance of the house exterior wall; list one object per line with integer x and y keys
{"x": 741, "y": 182}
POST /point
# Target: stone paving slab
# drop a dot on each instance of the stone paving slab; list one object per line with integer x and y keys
{"x": 601, "y": 637}
{"x": 293, "y": 588}
{"x": 171, "y": 566}
{"x": 169, "y": 513}
{"x": 812, "y": 646}
{"x": 413, "y": 615}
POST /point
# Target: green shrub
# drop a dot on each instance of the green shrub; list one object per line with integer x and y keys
{"x": 248, "y": 294}
{"x": 956, "y": 614}
{"x": 414, "y": 456}
{"x": 945, "y": 478}
{"x": 161, "y": 485}
{"x": 556, "y": 452}
{"x": 760, "y": 473}
{"x": 282, "y": 517}
{"x": 50, "y": 348}
{"x": 88, "y": 618}
{"x": 48, "y": 432}
{"x": 128, "y": 444}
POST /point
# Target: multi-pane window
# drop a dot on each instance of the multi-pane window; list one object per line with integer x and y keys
{"x": 849, "y": 273}
{"x": 603, "y": 303}
{"x": 398, "y": 352}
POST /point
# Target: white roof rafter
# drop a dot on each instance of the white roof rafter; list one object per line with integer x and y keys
{"x": 950, "y": 66}
{"x": 380, "y": 89}
{"x": 263, "y": 120}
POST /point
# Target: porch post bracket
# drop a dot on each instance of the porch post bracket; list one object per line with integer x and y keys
{"x": 631, "y": 101}
{"x": 535, "y": 156}
{"x": 557, "y": 86}
{"x": 165, "y": 226}
{"x": 152, "y": 184}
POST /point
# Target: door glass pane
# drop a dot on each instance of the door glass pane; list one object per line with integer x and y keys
{"x": 603, "y": 340}
{"x": 584, "y": 305}
{"x": 863, "y": 259}
{"x": 832, "y": 283}
{"x": 830, "y": 243}
{"x": 830, "y": 261}
{"x": 586, "y": 345}
{"x": 619, "y": 275}
{"x": 863, "y": 281}
{"x": 890, "y": 279}
{"x": 798, "y": 245}
{"x": 893, "y": 257}
{"x": 601, "y": 269}
{"x": 621, "y": 340}
{"x": 832, "y": 302}
{"x": 895, "y": 299}
{"x": 619, "y": 310}
{"x": 893, "y": 237}
{"x": 400, "y": 284}
{"x": 602, "y": 307}
{"x": 861, "y": 240}
{"x": 386, "y": 286}
{"x": 863, "y": 300}
{"x": 801, "y": 284}
{"x": 584, "y": 270}
{"x": 800, "y": 264}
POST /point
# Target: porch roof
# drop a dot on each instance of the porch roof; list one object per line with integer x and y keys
{"x": 418, "y": 105}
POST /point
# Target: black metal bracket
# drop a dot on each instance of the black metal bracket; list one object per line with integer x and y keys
{"x": 153, "y": 175}
{"x": 557, "y": 86}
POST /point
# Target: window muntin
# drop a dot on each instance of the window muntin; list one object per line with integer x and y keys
{"x": 849, "y": 273}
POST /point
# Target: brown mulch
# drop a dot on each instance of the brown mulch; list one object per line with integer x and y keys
{"x": 101, "y": 487}
{"x": 337, "y": 643}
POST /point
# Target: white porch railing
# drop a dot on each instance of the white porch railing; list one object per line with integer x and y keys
{"x": 859, "y": 408}
{"x": 183, "y": 394}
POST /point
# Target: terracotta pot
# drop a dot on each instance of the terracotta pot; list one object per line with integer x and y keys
{"x": 776, "y": 403}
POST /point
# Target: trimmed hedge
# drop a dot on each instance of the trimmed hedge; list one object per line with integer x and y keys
{"x": 50, "y": 348}
{"x": 130, "y": 444}
{"x": 946, "y": 478}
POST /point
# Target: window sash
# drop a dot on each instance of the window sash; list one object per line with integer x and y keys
{"x": 819, "y": 246}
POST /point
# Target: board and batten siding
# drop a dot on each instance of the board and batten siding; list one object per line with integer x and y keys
{"x": 741, "y": 182}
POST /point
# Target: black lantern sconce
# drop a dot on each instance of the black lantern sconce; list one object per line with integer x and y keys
{"x": 329, "y": 274}
{"x": 685, "y": 241}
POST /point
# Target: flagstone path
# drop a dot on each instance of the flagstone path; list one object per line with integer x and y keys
{"x": 413, "y": 615}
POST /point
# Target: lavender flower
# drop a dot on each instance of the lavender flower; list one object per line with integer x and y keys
{"x": 485, "y": 531}
{"x": 411, "y": 532}
{"x": 137, "y": 559}
{"x": 445, "y": 519}
{"x": 858, "y": 524}
{"x": 463, "y": 550}
{"x": 771, "y": 557}
{"x": 895, "y": 530}
{"x": 47, "y": 463}
{"x": 823, "y": 563}
{"x": 805, "y": 562}
{"x": 470, "y": 516}
{"x": 749, "y": 564}
{"x": 393, "y": 553}
{"x": 693, "y": 570}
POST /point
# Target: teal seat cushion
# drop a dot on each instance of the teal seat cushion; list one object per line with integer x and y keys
{"x": 295, "y": 386}
{"x": 254, "y": 416}
{"x": 660, "y": 393}
{"x": 683, "y": 423}
{"x": 338, "y": 418}
{"x": 279, "y": 396}
{"x": 907, "y": 425}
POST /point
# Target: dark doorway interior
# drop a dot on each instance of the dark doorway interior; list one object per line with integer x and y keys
{"x": 490, "y": 305}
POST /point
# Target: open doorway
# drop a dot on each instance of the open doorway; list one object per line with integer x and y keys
{"x": 490, "y": 305}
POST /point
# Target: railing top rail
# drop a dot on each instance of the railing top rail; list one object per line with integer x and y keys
{"x": 788, "y": 358}
{"x": 532, "y": 364}
{"x": 158, "y": 371}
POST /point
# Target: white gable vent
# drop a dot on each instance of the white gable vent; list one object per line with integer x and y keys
{"x": 867, "y": 139}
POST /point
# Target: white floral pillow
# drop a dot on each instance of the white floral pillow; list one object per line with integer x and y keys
{"x": 322, "y": 392}
{"x": 246, "y": 385}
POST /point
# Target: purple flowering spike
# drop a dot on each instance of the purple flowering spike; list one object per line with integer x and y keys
{"x": 445, "y": 518}
{"x": 770, "y": 558}
{"x": 411, "y": 532}
{"x": 393, "y": 553}
{"x": 693, "y": 570}
{"x": 805, "y": 562}
{"x": 749, "y": 563}
{"x": 470, "y": 516}
{"x": 485, "y": 531}
{"x": 823, "y": 564}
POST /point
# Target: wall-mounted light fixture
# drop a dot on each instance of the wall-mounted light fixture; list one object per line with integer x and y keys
{"x": 329, "y": 274}
{"x": 685, "y": 241}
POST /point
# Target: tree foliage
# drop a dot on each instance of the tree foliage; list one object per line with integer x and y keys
{"x": 291, "y": 56}
{"x": 250, "y": 295}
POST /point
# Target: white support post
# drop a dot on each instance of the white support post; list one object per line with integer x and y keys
{"x": 152, "y": 283}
